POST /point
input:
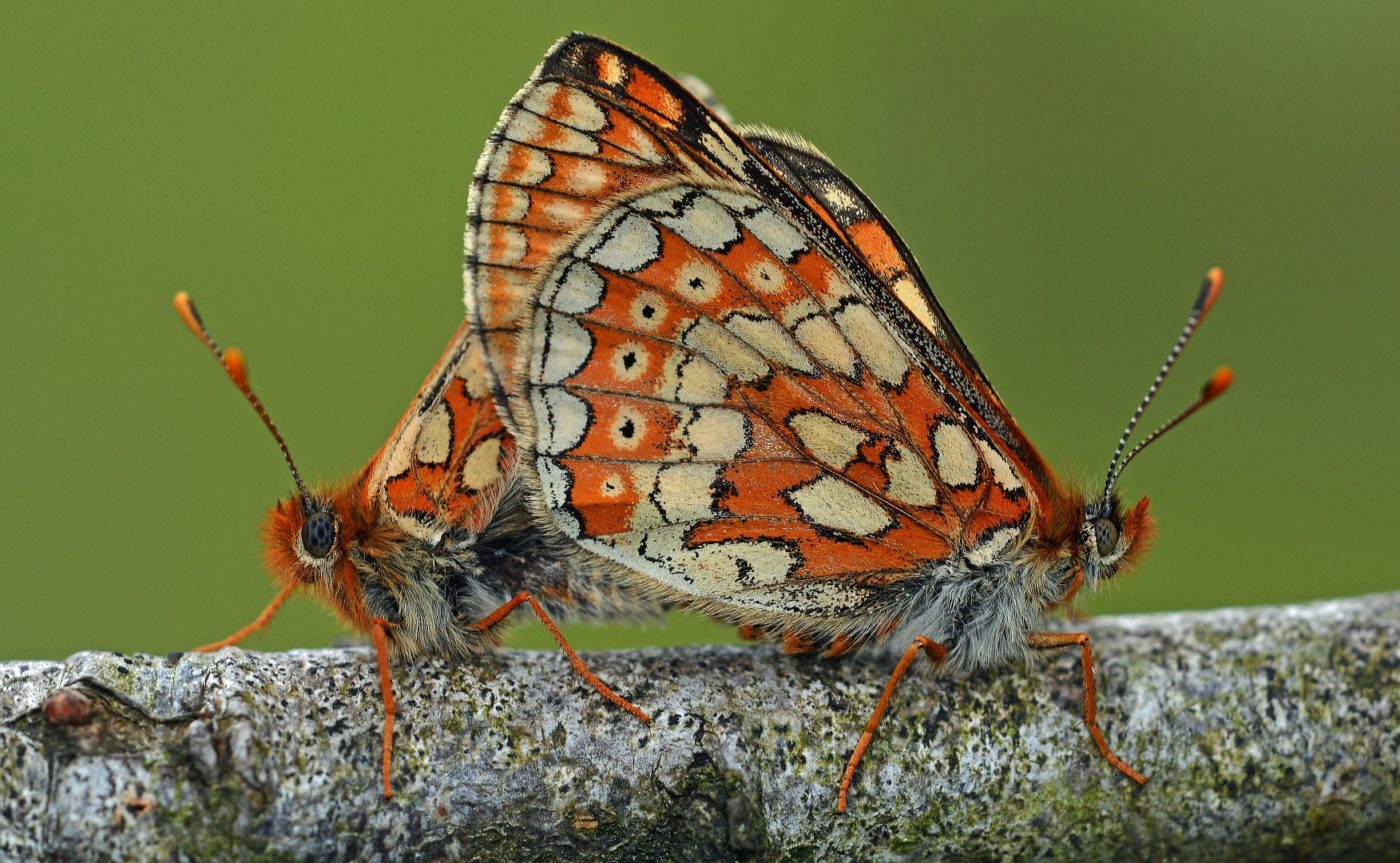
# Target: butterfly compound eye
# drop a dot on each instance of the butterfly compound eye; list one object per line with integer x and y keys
{"x": 318, "y": 534}
{"x": 1105, "y": 536}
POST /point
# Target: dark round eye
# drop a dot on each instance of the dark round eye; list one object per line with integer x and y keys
{"x": 318, "y": 534}
{"x": 1105, "y": 536}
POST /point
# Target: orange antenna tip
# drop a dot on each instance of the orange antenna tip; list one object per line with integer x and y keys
{"x": 237, "y": 366}
{"x": 1219, "y": 382}
{"x": 1210, "y": 290}
{"x": 184, "y": 306}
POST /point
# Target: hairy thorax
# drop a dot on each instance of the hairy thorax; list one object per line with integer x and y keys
{"x": 983, "y": 614}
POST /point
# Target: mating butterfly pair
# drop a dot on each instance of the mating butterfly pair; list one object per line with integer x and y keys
{"x": 730, "y": 388}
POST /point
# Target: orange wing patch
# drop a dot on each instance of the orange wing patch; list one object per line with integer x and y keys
{"x": 717, "y": 407}
{"x": 447, "y": 464}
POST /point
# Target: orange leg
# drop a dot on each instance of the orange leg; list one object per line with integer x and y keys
{"x": 499, "y": 614}
{"x": 378, "y": 631}
{"x": 936, "y": 653}
{"x": 1056, "y": 640}
{"x": 262, "y": 620}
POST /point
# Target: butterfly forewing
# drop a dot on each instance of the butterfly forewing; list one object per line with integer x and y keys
{"x": 445, "y": 466}
{"x": 717, "y": 407}
{"x": 842, "y": 205}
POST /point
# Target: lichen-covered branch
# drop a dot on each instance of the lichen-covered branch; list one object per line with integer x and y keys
{"x": 1268, "y": 733}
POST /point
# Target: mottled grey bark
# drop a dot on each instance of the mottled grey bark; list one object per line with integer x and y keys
{"x": 1268, "y": 733}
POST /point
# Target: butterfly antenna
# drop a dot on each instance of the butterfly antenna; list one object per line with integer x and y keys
{"x": 1218, "y": 383}
{"x": 237, "y": 369}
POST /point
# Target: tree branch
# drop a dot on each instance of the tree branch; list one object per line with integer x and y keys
{"x": 1267, "y": 733}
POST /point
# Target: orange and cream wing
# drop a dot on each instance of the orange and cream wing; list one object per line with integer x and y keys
{"x": 715, "y": 404}
{"x": 564, "y": 146}
{"x": 447, "y": 463}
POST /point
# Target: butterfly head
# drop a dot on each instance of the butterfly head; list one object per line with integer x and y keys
{"x": 1111, "y": 538}
{"x": 304, "y": 537}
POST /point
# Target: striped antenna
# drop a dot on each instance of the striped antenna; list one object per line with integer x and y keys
{"x": 237, "y": 369}
{"x": 1218, "y": 383}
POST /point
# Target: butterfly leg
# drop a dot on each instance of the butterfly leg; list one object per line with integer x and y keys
{"x": 1057, "y": 640}
{"x": 259, "y": 622}
{"x": 378, "y": 631}
{"x": 524, "y": 597}
{"x": 936, "y": 653}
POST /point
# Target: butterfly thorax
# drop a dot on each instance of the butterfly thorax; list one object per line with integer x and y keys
{"x": 983, "y": 613}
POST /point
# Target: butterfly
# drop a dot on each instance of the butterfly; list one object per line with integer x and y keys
{"x": 733, "y": 388}
{"x": 428, "y": 548}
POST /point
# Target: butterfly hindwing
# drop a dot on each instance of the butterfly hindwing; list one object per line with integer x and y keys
{"x": 716, "y": 405}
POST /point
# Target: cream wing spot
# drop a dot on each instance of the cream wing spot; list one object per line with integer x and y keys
{"x": 472, "y": 373}
{"x": 685, "y": 492}
{"x": 554, "y": 481}
{"x": 837, "y": 505}
{"x": 714, "y": 434}
{"x": 778, "y": 234}
{"x": 746, "y": 563}
{"x": 957, "y": 458}
{"x": 725, "y": 351}
{"x": 908, "y": 481}
{"x": 834, "y": 443}
{"x": 703, "y": 223}
{"x": 668, "y": 201}
{"x": 630, "y": 244}
{"x": 541, "y": 97}
{"x": 820, "y": 337}
{"x": 645, "y": 515}
{"x": 482, "y": 467}
{"x": 913, "y": 299}
{"x": 561, "y": 418}
{"x": 575, "y": 288}
{"x": 434, "y": 443}
{"x": 640, "y": 143}
{"x": 562, "y": 346}
{"x": 530, "y": 129}
{"x": 1002, "y": 472}
{"x": 693, "y": 381}
{"x": 770, "y": 339}
{"x": 882, "y": 354}
{"x": 992, "y": 546}
{"x": 612, "y": 485}
{"x": 577, "y": 109}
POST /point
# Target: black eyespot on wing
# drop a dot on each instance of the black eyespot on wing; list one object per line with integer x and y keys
{"x": 318, "y": 534}
{"x": 1105, "y": 536}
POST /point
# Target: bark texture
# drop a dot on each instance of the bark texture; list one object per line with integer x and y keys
{"x": 1267, "y": 734}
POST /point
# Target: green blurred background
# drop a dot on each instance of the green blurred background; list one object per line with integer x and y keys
{"x": 1065, "y": 172}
